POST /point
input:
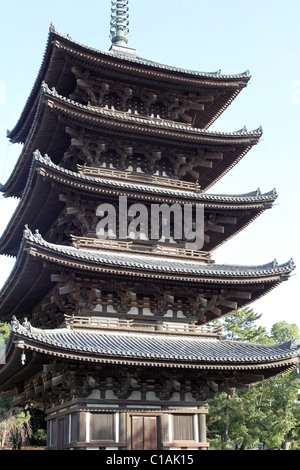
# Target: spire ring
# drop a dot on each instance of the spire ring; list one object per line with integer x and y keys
{"x": 119, "y": 24}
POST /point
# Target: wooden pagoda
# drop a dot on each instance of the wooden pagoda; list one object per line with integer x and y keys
{"x": 110, "y": 336}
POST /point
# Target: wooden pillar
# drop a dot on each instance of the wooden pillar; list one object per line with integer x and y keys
{"x": 202, "y": 426}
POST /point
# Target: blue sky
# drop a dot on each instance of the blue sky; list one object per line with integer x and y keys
{"x": 203, "y": 35}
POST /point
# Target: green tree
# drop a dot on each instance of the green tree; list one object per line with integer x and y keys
{"x": 39, "y": 426}
{"x": 20, "y": 424}
{"x": 283, "y": 331}
{"x": 268, "y": 415}
{"x": 231, "y": 422}
{"x": 15, "y": 426}
{"x": 241, "y": 326}
{"x": 4, "y": 332}
{"x": 279, "y": 424}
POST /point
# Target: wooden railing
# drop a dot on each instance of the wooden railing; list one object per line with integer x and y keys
{"x": 165, "y": 250}
{"x": 138, "y": 177}
{"x": 95, "y": 322}
{"x": 182, "y": 252}
{"x": 85, "y": 242}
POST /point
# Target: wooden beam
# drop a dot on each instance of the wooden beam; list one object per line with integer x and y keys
{"x": 240, "y": 295}
{"x": 58, "y": 278}
{"x": 66, "y": 290}
{"x": 216, "y": 311}
{"x": 201, "y": 318}
{"x": 214, "y": 156}
{"x": 226, "y": 220}
{"x": 246, "y": 378}
{"x": 205, "y": 99}
{"x": 64, "y": 198}
{"x": 186, "y": 118}
{"x": 202, "y": 301}
{"x": 228, "y": 303}
{"x": 214, "y": 228}
{"x": 194, "y": 173}
{"x": 204, "y": 163}
{"x": 196, "y": 106}
{"x": 59, "y": 379}
{"x": 72, "y": 210}
{"x": 213, "y": 385}
{"x": 50, "y": 368}
{"x": 9, "y": 393}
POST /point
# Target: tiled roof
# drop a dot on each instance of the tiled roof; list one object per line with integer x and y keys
{"x": 145, "y": 62}
{"x": 251, "y": 197}
{"x": 123, "y": 122}
{"x": 128, "y": 118}
{"x": 157, "y": 264}
{"x": 56, "y": 41}
{"x": 247, "y": 206}
{"x": 109, "y": 345}
{"x": 29, "y": 281}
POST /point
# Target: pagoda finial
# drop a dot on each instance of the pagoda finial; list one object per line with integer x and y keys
{"x": 119, "y": 24}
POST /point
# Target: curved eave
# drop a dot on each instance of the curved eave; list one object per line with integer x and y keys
{"x": 30, "y": 279}
{"x": 151, "y": 266}
{"x": 131, "y": 349}
{"x": 137, "y": 124}
{"x": 144, "y": 190}
{"x": 40, "y": 205}
{"x": 55, "y": 70}
{"x": 48, "y": 134}
{"x": 38, "y": 208}
{"x": 51, "y": 71}
{"x": 26, "y": 285}
{"x": 138, "y": 66}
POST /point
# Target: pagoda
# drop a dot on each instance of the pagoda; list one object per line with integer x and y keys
{"x": 111, "y": 334}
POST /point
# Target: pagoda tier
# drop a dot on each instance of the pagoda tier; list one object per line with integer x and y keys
{"x": 50, "y": 281}
{"x": 62, "y": 203}
{"x": 136, "y": 348}
{"x": 72, "y": 134}
{"x": 114, "y": 341}
{"x": 112, "y": 390}
{"x": 129, "y": 82}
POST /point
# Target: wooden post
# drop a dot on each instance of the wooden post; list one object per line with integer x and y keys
{"x": 202, "y": 425}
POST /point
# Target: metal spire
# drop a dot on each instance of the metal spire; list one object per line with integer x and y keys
{"x": 119, "y": 24}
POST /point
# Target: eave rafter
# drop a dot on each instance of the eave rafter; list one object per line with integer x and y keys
{"x": 214, "y": 279}
{"x": 209, "y": 155}
{"x": 62, "y": 53}
{"x": 48, "y": 187}
{"x": 222, "y": 365}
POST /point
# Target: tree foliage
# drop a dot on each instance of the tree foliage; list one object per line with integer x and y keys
{"x": 15, "y": 427}
{"x": 267, "y": 416}
{"x": 4, "y": 332}
{"x": 22, "y": 424}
